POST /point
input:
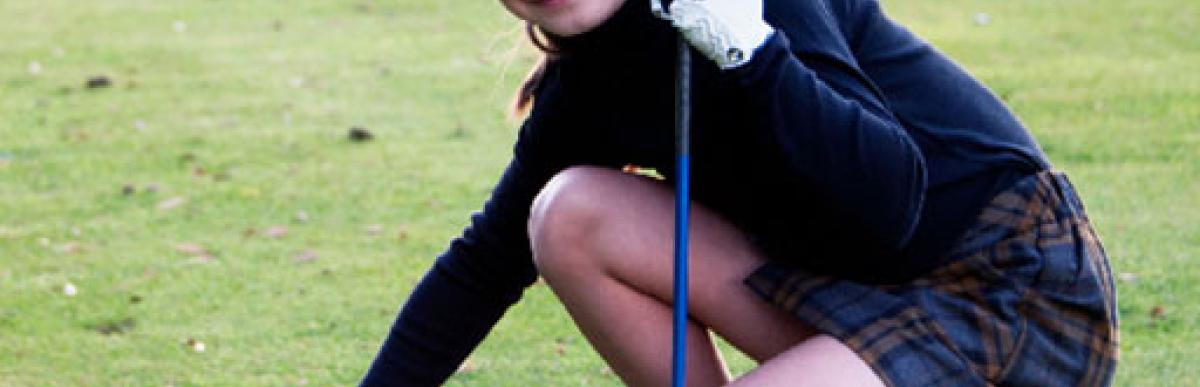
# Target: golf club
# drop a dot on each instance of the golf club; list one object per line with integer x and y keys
{"x": 682, "y": 162}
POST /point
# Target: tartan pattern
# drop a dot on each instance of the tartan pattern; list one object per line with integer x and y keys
{"x": 1026, "y": 300}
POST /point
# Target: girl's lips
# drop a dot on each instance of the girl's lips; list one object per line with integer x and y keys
{"x": 545, "y": 3}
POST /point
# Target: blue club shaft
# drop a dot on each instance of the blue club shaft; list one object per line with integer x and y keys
{"x": 682, "y": 177}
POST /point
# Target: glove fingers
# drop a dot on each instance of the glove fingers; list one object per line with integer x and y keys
{"x": 700, "y": 27}
{"x": 725, "y": 31}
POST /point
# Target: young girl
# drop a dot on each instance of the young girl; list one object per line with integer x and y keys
{"x": 864, "y": 211}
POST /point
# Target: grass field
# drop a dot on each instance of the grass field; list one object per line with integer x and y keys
{"x": 210, "y": 195}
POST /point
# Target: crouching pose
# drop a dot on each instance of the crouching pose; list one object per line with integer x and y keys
{"x": 864, "y": 211}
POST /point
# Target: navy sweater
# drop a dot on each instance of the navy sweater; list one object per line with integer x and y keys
{"x": 847, "y": 146}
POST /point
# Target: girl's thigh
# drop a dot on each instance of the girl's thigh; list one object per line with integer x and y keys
{"x": 820, "y": 360}
{"x": 591, "y": 222}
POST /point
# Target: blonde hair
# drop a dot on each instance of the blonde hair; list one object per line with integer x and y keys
{"x": 525, "y": 93}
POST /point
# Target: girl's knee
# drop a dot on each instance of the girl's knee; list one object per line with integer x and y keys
{"x": 566, "y": 216}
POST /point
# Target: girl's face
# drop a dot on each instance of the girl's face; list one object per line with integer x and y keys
{"x": 564, "y": 17}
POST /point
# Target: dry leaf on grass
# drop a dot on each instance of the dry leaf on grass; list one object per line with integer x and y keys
{"x": 196, "y": 253}
{"x": 70, "y": 248}
{"x": 113, "y": 327}
{"x": 276, "y": 231}
{"x": 360, "y": 134}
{"x": 192, "y": 249}
{"x": 306, "y": 256}
{"x": 1158, "y": 312}
{"x": 195, "y": 344}
{"x": 98, "y": 82}
{"x": 170, "y": 204}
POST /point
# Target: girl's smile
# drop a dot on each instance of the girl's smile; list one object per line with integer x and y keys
{"x": 564, "y": 17}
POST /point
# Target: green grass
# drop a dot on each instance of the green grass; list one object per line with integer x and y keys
{"x": 259, "y": 94}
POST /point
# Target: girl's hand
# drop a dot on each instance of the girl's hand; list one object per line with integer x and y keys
{"x": 726, "y": 31}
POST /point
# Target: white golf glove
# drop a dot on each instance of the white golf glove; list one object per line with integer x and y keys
{"x": 726, "y": 31}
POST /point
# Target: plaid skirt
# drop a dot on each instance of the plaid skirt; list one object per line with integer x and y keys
{"x": 1027, "y": 299}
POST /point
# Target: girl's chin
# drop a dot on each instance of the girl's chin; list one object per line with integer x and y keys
{"x": 564, "y": 31}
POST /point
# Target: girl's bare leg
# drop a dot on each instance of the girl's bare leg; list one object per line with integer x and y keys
{"x": 603, "y": 242}
{"x": 817, "y": 361}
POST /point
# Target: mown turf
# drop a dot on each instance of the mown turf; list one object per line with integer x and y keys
{"x": 238, "y": 112}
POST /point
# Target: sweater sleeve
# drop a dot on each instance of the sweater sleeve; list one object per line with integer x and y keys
{"x": 827, "y": 121}
{"x": 470, "y": 286}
